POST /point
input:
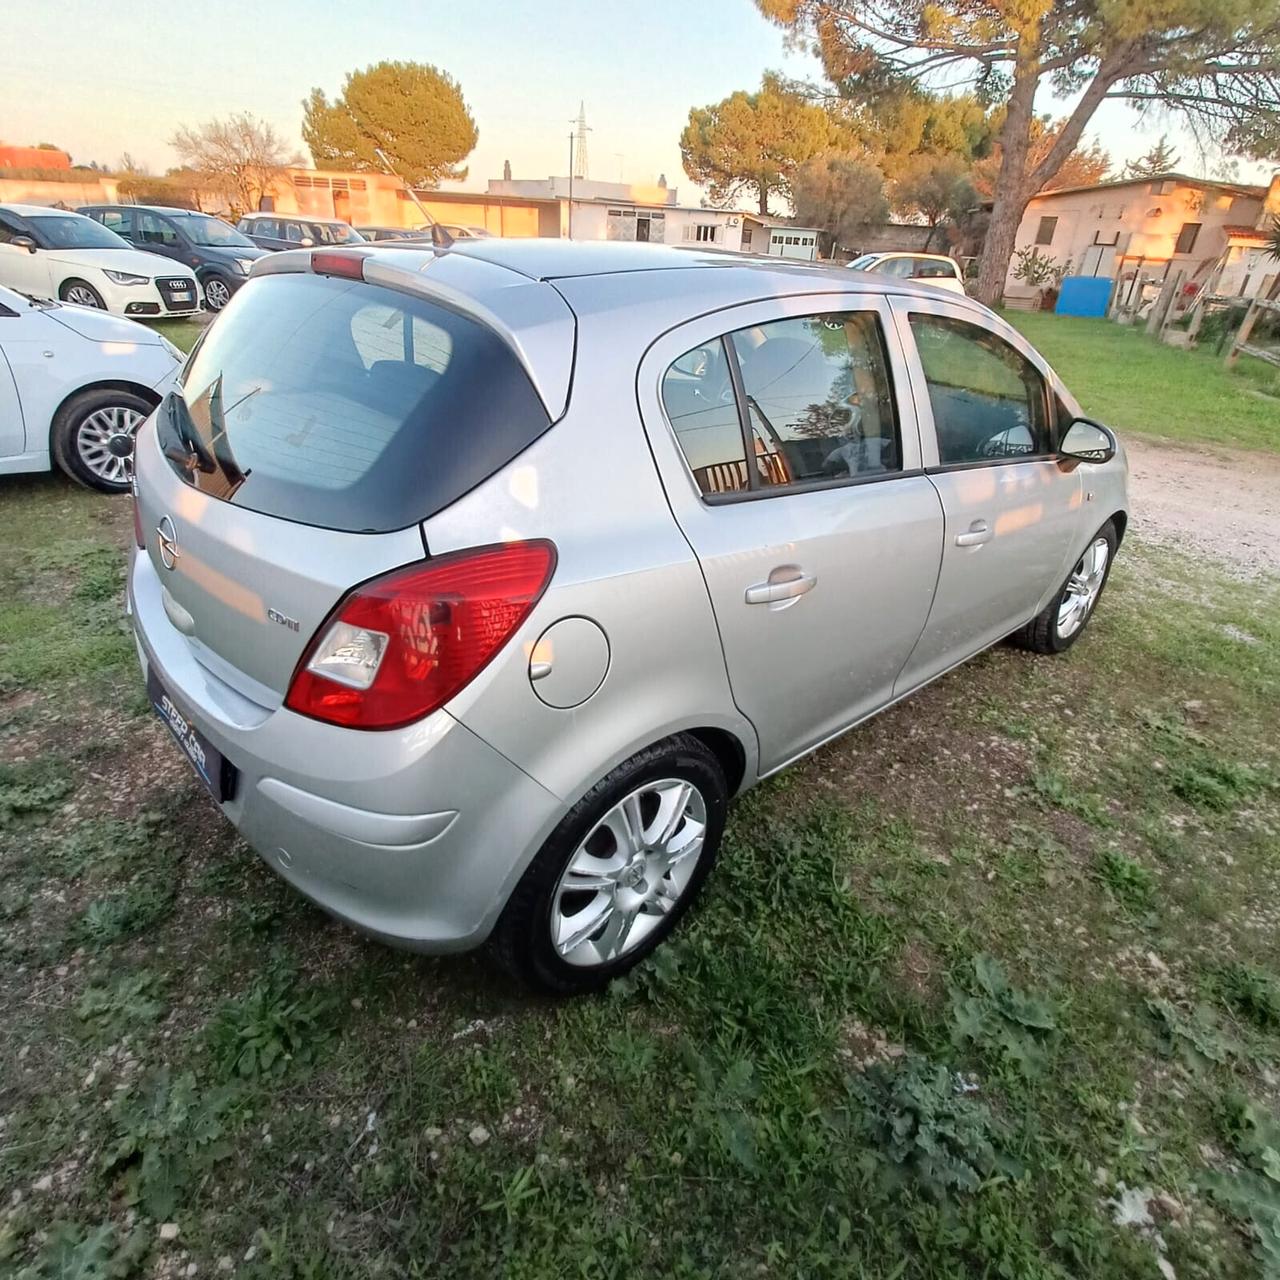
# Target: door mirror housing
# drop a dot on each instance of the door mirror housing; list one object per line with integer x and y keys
{"x": 1088, "y": 441}
{"x": 24, "y": 242}
{"x": 306, "y": 242}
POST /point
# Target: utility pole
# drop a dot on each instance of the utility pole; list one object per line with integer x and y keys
{"x": 578, "y": 136}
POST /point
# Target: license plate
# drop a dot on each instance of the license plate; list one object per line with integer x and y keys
{"x": 210, "y": 765}
{"x": 181, "y": 295}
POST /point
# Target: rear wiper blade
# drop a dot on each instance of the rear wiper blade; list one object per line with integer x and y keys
{"x": 188, "y": 450}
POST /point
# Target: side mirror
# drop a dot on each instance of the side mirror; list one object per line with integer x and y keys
{"x": 1088, "y": 441}
{"x": 306, "y": 242}
{"x": 24, "y": 242}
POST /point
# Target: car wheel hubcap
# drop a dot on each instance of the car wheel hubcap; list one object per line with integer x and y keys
{"x": 630, "y": 871}
{"x": 1083, "y": 588}
{"x": 217, "y": 295}
{"x": 104, "y": 442}
{"x": 82, "y": 297}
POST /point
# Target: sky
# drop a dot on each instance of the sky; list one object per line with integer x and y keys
{"x": 99, "y": 81}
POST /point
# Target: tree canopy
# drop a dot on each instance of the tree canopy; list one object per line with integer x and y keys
{"x": 1162, "y": 158}
{"x": 1215, "y": 63}
{"x": 753, "y": 142}
{"x": 840, "y": 194}
{"x": 239, "y": 156}
{"x": 414, "y": 113}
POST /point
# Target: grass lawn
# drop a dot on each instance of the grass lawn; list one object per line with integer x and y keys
{"x": 182, "y": 333}
{"x": 989, "y": 988}
{"x": 1141, "y": 386}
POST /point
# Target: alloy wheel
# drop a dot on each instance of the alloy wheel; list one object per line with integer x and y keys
{"x": 216, "y": 293}
{"x": 629, "y": 872}
{"x": 104, "y": 442}
{"x": 83, "y": 296}
{"x": 1083, "y": 588}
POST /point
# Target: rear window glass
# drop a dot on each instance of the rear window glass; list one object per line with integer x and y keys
{"x": 340, "y": 404}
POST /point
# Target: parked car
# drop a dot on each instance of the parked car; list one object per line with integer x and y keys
{"x": 475, "y": 583}
{"x": 54, "y": 253}
{"x": 73, "y": 388}
{"x": 281, "y": 231}
{"x": 463, "y": 233}
{"x": 931, "y": 268}
{"x": 380, "y": 235}
{"x": 219, "y": 255}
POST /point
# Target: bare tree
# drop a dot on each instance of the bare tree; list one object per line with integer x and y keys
{"x": 240, "y": 156}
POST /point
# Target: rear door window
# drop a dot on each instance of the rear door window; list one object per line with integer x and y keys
{"x": 816, "y": 405}
{"x": 340, "y": 404}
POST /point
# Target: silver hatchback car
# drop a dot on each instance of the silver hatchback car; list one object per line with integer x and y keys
{"x": 475, "y": 582}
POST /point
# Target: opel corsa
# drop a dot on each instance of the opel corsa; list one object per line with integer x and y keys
{"x": 475, "y": 582}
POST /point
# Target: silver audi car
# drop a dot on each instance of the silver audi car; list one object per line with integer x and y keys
{"x": 474, "y": 582}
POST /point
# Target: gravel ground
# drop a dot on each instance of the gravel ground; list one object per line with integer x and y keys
{"x": 1223, "y": 502}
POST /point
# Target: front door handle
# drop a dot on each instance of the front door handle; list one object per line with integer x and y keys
{"x": 782, "y": 589}
{"x": 979, "y": 532}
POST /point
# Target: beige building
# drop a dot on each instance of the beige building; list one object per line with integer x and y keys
{"x": 1142, "y": 229}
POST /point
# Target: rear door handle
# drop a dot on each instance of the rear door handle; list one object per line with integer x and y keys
{"x": 978, "y": 533}
{"x": 771, "y": 591}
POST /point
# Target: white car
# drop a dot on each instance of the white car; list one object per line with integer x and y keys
{"x": 54, "y": 253}
{"x": 929, "y": 268}
{"x": 75, "y": 387}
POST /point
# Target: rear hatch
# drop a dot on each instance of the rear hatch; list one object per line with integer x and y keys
{"x": 320, "y": 421}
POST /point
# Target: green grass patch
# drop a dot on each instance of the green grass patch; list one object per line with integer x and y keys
{"x": 1138, "y": 385}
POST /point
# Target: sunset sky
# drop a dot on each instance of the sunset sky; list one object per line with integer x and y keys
{"x": 100, "y": 80}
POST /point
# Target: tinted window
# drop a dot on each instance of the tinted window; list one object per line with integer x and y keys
{"x": 117, "y": 220}
{"x": 212, "y": 233}
{"x": 339, "y": 404}
{"x": 74, "y": 231}
{"x": 930, "y": 268}
{"x": 988, "y": 401}
{"x": 818, "y": 404}
{"x": 819, "y": 398}
{"x": 268, "y": 228}
{"x": 153, "y": 229}
{"x": 899, "y": 268}
{"x": 698, "y": 394}
{"x": 10, "y": 226}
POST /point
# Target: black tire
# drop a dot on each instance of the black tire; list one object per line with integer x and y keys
{"x": 1042, "y": 634}
{"x": 217, "y": 290}
{"x": 74, "y": 285}
{"x": 69, "y": 443}
{"x": 522, "y": 939}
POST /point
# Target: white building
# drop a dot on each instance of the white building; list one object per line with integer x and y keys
{"x": 652, "y": 214}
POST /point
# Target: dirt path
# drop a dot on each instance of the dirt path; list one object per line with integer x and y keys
{"x": 1223, "y": 502}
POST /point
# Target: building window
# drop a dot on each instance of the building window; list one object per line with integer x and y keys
{"x": 1187, "y": 237}
{"x": 1044, "y": 233}
{"x": 703, "y": 233}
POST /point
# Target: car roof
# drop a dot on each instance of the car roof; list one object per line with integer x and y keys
{"x": 297, "y": 217}
{"x": 35, "y": 210}
{"x": 909, "y": 253}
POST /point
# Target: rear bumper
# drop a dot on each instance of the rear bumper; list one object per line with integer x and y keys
{"x": 415, "y": 836}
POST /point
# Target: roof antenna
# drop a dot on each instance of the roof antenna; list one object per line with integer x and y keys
{"x": 391, "y": 169}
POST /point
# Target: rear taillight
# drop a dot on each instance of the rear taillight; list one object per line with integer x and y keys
{"x": 401, "y": 646}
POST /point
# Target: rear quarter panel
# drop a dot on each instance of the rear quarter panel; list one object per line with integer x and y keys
{"x": 590, "y": 485}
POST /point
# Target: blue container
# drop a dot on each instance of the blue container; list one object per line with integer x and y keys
{"x": 1084, "y": 296}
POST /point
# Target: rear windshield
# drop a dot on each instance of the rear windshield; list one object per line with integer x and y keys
{"x": 340, "y": 404}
